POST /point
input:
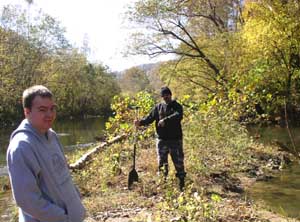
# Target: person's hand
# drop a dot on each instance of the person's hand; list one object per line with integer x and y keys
{"x": 161, "y": 123}
{"x": 136, "y": 122}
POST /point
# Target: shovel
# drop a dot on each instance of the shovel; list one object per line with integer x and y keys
{"x": 133, "y": 176}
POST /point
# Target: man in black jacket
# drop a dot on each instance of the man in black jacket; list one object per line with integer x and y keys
{"x": 167, "y": 116}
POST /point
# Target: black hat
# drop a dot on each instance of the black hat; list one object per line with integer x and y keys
{"x": 165, "y": 90}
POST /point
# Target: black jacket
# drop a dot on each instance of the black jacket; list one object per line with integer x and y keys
{"x": 172, "y": 114}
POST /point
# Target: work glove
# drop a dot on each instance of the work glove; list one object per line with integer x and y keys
{"x": 161, "y": 123}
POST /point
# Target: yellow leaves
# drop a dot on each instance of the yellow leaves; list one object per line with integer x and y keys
{"x": 216, "y": 198}
{"x": 213, "y": 102}
{"x": 269, "y": 97}
{"x": 108, "y": 125}
{"x": 186, "y": 97}
{"x": 181, "y": 199}
{"x": 268, "y": 27}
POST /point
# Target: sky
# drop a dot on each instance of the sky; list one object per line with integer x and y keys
{"x": 98, "y": 21}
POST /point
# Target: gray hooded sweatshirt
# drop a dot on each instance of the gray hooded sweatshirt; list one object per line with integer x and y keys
{"x": 41, "y": 182}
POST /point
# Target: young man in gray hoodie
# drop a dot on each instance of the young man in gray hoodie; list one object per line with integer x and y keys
{"x": 41, "y": 182}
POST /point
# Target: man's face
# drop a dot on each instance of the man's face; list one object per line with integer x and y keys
{"x": 42, "y": 113}
{"x": 167, "y": 98}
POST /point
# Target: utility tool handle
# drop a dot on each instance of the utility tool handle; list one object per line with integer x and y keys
{"x": 134, "y": 152}
{"x": 135, "y": 136}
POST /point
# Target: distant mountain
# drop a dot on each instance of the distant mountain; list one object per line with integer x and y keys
{"x": 151, "y": 70}
{"x": 146, "y": 67}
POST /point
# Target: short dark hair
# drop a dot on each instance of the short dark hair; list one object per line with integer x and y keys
{"x": 165, "y": 91}
{"x": 33, "y": 91}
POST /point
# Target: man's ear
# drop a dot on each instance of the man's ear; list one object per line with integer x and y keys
{"x": 26, "y": 112}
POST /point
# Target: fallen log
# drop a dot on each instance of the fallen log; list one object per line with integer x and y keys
{"x": 80, "y": 163}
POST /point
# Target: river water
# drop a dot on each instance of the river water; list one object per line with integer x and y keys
{"x": 282, "y": 193}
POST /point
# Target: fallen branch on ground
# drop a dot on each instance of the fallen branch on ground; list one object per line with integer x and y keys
{"x": 80, "y": 163}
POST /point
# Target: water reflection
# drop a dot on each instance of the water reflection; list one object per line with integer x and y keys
{"x": 270, "y": 134}
{"x": 282, "y": 193}
{"x": 72, "y": 132}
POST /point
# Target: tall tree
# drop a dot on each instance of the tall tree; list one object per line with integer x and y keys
{"x": 196, "y": 31}
{"x": 271, "y": 42}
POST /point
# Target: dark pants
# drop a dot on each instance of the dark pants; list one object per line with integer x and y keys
{"x": 174, "y": 148}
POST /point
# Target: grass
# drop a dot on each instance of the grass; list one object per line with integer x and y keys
{"x": 103, "y": 184}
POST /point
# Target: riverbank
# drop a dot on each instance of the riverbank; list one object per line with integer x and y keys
{"x": 7, "y": 207}
{"x": 217, "y": 196}
{"x": 211, "y": 194}
{"x": 208, "y": 196}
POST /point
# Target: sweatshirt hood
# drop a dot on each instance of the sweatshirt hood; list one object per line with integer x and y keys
{"x": 26, "y": 126}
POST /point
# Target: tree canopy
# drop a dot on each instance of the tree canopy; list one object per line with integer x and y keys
{"x": 34, "y": 50}
{"x": 242, "y": 54}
